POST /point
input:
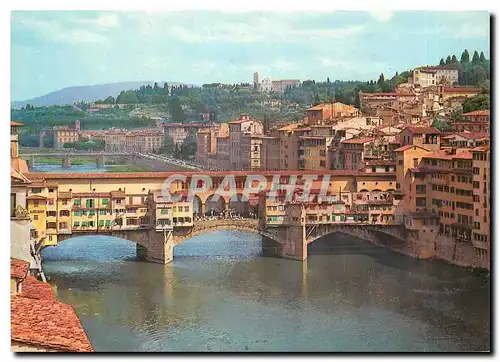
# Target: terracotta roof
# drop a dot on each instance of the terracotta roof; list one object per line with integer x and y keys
{"x": 33, "y": 288}
{"x": 16, "y": 123}
{"x": 92, "y": 194}
{"x": 478, "y": 113}
{"x": 481, "y": 149}
{"x": 65, "y": 195}
{"x": 239, "y": 121}
{"x": 313, "y": 137}
{"x": 118, "y": 194}
{"x": 18, "y": 268}
{"x": 289, "y": 127}
{"x": 50, "y": 325}
{"x": 461, "y": 90}
{"x": 381, "y": 94}
{"x": 407, "y": 147}
{"x": 422, "y": 215}
{"x": 18, "y": 176}
{"x": 164, "y": 175}
{"x": 38, "y": 183}
{"x": 36, "y": 197}
{"x": 358, "y": 140}
{"x": 19, "y": 164}
{"x": 446, "y": 155}
{"x": 381, "y": 163}
{"x": 473, "y": 135}
{"x": 421, "y": 129}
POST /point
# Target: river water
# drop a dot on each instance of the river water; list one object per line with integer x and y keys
{"x": 220, "y": 294}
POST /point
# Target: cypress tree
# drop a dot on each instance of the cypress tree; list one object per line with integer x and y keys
{"x": 475, "y": 57}
{"x": 465, "y": 58}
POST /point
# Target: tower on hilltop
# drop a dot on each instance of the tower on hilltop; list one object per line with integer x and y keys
{"x": 256, "y": 80}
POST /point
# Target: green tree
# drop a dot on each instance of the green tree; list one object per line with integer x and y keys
{"x": 109, "y": 100}
{"x": 128, "y": 97}
{"x": 476, "y": 103}
{"x": 454, "y": 59}
{"x": 316, "y": 99}
{"x": 441, "y": 62}
{"x": 188, "y": 147}
{"x": 168, "y": 146}
{"x": 175, "y": 108}
{"x": 475, "y": 57}
{"x": 465, "y": 58}
{"x": 448, "y": 60}
{"x": 458, "y": 116}
{"x": 381, "y": 79}
{"x": 481, "y": 57}
{"x": 441, "y": 125}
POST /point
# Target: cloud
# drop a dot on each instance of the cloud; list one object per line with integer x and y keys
{"x": 381, "y": 15}
{"x": 102, "y": 21}
{"x": 69, "y": 30}
{"x": 264, "y": 32}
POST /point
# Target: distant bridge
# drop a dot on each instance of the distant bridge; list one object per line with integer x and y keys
{"x": 65, "y": 157}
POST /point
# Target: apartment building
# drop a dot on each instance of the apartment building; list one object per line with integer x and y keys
{"x": 179, "y": 131}
{"x": 65, "y": 134}
{"x": 313, "y": 152}
{"x": 243, "y": 126}
{"x": 206, "y": 146}
{"x": 222, "y": 156}
{"x": 481, "y": 184}
{"x": 251, "y": 149}
{"x": 147, "y": 141}
{"x": 478, "y": 121}
{"x": 353, "y": 152}
{"x": 270, "y": 153}
{"x": 330, "y": 111}
{"x": 289, "y": 145}
{"x": 426, "y": 137}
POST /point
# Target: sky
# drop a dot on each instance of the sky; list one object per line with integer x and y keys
{"x": 51, "y": 50}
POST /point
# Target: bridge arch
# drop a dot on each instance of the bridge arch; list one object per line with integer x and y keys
{"x": 239, "y": 203}
{"x": 372, "y": 233}
{"x": 215, "y": 204}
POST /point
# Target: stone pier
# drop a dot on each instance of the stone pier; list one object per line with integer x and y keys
{"x": 66, "y": 161}
{"x": 100, "y": 161}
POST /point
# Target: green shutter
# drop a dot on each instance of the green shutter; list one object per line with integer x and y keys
{"x": 104, "y": 201}
{"x": 108, "y": 222}
{"x": 84, "y": 223}
{"x": 164, "y": 211}
{"x": 77, "y": 202}
{"x": 76, "y": 223}
{"x": 76, "y": 213}
{"x": 84, "y": 212}
{"x": 101, "y": 222}
{"x": 91, "y": 212}
{"x": 102, "y": 212}
{"x": 87, "y": 203}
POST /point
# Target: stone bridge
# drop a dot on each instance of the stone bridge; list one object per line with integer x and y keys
{"x": 206, "y": 226}
{"x": 65, "y": 157}
{"x": 288, "y": 240}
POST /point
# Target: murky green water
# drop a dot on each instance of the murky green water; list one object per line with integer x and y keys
{"x": 219, "y": 294}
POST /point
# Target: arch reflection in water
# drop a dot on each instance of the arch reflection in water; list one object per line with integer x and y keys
{"x": 357, "y": 297}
